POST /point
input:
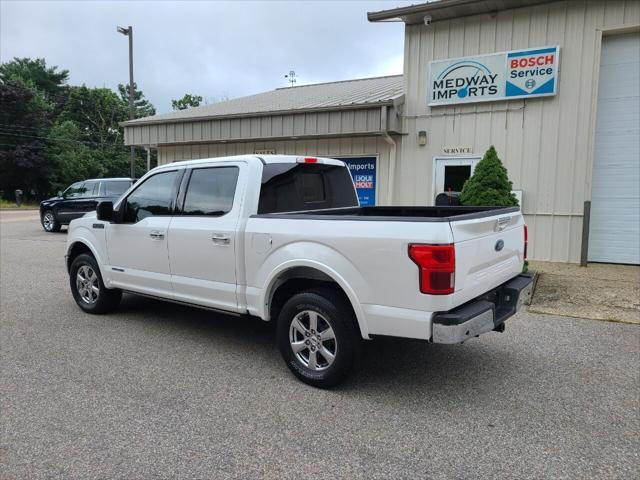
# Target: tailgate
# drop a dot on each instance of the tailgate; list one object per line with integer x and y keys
{"x": 489, "y": 251}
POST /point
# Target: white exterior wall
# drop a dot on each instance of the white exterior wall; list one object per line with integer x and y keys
{"x": 545, "y": 143}
{"x": 357, "y": 146}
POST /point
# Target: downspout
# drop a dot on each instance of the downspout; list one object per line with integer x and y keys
{"x": 392, "y": 156}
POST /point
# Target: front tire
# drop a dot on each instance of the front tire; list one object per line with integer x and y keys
{"x": 88, "y": 288}
{"x": 49, "y": 222}
{"x": 318, "y": 337}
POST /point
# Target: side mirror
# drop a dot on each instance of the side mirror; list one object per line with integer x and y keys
{"x": 59, "y": 193}
{"x": 104, "y": 211}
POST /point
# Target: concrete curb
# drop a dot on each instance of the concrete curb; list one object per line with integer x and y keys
{"x": 15, "y": 209}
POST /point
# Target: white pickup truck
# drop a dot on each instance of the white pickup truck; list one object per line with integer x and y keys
{"x": 283, "y": 238}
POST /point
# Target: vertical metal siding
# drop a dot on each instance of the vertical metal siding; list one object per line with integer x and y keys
{"x": 545, "y": 143}
{"x": 319, "y": 147}
{"x": 358, "y": 121}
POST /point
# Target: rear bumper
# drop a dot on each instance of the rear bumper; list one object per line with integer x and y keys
{"x": 483, "y": 314}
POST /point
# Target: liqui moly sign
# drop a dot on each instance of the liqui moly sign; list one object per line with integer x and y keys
{"x": 497, "y": 76}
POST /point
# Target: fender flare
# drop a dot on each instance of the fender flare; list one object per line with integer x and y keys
{"x": 94, "y": 252}
{"x": 331, "y": 273}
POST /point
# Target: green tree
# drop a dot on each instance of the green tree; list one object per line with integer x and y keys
{"x": 86, "y": 139}
{"x": 489, "y": 184}
{"x": 97, "y": 112}
{"x": 49, "y": 80}
{"x": 187, "y": 101}
{"x": 71, "y": 157}
{"x": 142, "y": 106}
{"x": 24, "y": 122}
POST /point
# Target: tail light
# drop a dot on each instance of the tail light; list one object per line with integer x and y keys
{"x": 437, "y": 267}
{"x": 526, "y": 240}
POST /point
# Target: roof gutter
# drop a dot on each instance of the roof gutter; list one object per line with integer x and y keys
{"x": 398, "y": 14}
{"x": 447, "y": 10}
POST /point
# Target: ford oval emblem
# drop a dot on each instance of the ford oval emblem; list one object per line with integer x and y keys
{"x": 499, "y": 245}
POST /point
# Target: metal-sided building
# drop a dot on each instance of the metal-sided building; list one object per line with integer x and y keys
{"x": 554, "y": 85}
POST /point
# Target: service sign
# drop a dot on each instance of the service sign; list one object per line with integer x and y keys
{"x": 497, "y": 76}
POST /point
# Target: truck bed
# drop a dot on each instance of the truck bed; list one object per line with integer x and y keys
{"x": 398, "y": 214}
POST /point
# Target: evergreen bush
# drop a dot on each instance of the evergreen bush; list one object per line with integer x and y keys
{"x": 489, "y": 185}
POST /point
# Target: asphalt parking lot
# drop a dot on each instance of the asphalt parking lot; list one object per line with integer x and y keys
{"x": 156, "y": 390}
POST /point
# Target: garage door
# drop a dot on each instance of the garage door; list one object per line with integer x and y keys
{"x": 614, "y": 234}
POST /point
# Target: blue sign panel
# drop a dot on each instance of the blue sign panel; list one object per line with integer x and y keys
{"x": 532, "y": 72}
{"x": 363, "y": 172}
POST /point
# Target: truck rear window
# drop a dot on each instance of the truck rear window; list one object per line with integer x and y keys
{"x": 293, "y": 187}
{"x": 115, "y": 188}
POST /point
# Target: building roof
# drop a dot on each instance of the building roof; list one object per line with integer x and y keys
{"x": 321, "y": 96}
{"x": 447, "y": 9}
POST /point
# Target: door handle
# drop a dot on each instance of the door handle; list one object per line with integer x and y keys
{"x": 220, "y": 239}
{"x": 156, "y": 235}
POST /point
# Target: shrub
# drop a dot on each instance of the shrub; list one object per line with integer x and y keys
{"x": 489, "y": 185}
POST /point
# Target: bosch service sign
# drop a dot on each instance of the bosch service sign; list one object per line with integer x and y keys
{"x": 497, "y": 76}
{"x": 532, "y": 73}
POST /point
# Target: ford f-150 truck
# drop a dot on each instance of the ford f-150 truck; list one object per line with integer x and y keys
{"x": 283, "y": 238}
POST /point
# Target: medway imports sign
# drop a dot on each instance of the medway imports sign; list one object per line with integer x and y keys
{"x": 496, "y": 76}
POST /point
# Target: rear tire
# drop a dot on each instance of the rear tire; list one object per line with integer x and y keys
{"x": 88, "y": 288}
{"x": 318, "y": 337}
{"x": 49, "y": 222}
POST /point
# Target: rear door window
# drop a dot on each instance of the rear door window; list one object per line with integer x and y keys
{"x": 211, "y": 191}
{"x": 292, "y": 187}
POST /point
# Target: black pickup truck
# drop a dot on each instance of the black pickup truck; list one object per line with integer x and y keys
{"x": 78, "y": 199}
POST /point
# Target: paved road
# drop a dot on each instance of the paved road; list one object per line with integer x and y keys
{"x": 7, "y": 216}
{"x": 163, "y": 391}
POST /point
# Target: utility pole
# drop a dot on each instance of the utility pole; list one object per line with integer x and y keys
{"x": 132, "y": 114}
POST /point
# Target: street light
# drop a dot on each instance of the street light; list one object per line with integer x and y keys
{"x": 129, "y": 33}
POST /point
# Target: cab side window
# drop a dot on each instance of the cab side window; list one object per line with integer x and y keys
{"x": 90, "y": 189}
{"x": 153, "y": 197}
{"x": 74, "y": 191}
{"x": 211, "y": 191}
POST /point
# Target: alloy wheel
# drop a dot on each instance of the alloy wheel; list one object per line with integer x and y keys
{"x": 48, "y": 221}
{"x": 313, "y": 340}
{"x": 87, "y": 284}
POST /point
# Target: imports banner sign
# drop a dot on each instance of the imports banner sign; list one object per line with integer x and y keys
{"x": 496, "y": 76}
{"x": 363, "y": 172}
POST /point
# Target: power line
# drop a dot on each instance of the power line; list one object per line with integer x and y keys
{"x": 21, "y": 146}
{"x": 93, "y": 144}
{"x": 19, "y": 127}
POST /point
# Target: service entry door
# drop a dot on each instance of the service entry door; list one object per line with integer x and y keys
{"x": 137, "y": 247}
{"x": 451, "y": 173}
{"x": 202, "y": 238}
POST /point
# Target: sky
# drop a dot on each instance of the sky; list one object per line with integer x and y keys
{"x": 216, "y": 49}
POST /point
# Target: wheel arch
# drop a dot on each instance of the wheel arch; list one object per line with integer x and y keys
{"x": 79, "y": 247}
{"x": 296, "y": 276}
